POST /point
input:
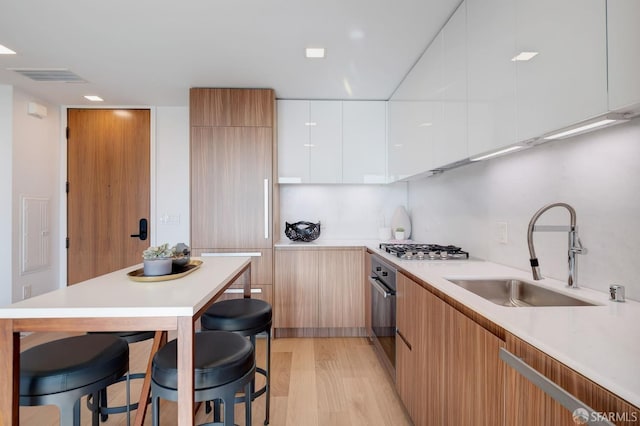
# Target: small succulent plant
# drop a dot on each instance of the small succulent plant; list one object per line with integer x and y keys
{"x": 400, "y": 229}
{"x": 159, "y": 252}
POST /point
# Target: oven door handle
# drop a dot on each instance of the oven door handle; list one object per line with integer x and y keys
{"x": 383, "y": 289}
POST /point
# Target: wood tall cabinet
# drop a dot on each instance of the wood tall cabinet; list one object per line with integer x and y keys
{"x": 318, "y": 291}
{"x": 232, "y": 168}
{"x": 527, "y": 405}
{"x": 448, "y": 370}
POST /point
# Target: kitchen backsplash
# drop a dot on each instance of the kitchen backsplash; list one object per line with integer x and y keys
{"x": 346, "y": 212}
{"x": 597, "y": 173}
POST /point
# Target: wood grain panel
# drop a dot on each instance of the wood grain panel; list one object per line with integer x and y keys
{"x": 228, "y": 168}
{"x": 420, "y": 361}
{"x": 108, "y": 173}
{"x": 429, "y": 391}
{"x": 527, "y": 405}
{"x": 367, "y": 294}
{"x": 296, "y": 288}
{"x": 231, "y": 107}
{"x": 261, "y": 266}
{"x": 474, "y": 374}
{"x": 341, "y": 296}
{"x": 407, "y": 319}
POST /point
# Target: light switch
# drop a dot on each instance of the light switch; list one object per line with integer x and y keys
{"x": 502, "y": 233}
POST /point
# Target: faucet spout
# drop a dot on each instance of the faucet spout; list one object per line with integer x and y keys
{"x": 575, "y": 246}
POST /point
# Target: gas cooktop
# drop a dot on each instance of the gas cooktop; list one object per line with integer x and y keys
{"x": 424, "y": 251}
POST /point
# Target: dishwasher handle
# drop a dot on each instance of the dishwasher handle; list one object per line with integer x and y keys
{"x": 381, "y": 288}
{"x": 579, "y": 409}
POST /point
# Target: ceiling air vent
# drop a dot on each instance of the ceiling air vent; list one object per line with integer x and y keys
{"x": 60, "y": 75}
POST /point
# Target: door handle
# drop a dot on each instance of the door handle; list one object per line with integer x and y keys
{"x": 142, "y": 230}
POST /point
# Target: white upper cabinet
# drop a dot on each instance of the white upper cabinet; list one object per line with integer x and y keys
{"x": 623, "y": 53}
{"x": 364, "y": 142}
{"x": 566, "y": 82}
{"x": 416, "y": 116}
{"x": 325, "y": 140}
{"x": 309, "y": 141}
{"x": 452, "y": 146}
{"x": 491, "y": 43}
{"x": 331, "y": 141}
{"x": 412, "y": 133}
{"x": 293, "y": 141}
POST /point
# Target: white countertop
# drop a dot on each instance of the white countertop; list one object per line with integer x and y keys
{"x": 115, "y": 295}
{"x": 600, "y": 342}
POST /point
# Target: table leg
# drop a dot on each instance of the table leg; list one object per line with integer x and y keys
{"x": 186, "y": 342}
{"x": 9, "y": 374}
{"x": 247, "y": 284}
{"x": 159, "y": 340}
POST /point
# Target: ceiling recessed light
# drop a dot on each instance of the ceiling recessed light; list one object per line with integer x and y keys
{"x": 6, "y": 51}
{"x": 94, "y": 98}
{"x": 524, "y": 56}
{"x": 315, "y": 52}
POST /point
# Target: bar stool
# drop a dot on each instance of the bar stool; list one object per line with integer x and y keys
{"x": 224, "y": 365}
{"x": 246, "y": 317}
{"x": 102, "y": 406}
{"x": 61, "y": 372}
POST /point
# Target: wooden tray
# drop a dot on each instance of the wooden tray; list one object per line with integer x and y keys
{"x": 177, "y": 272}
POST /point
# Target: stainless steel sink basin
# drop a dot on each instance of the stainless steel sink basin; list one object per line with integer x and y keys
{"x": 516, "y": 293}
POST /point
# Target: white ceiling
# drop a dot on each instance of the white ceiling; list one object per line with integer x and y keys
{"x": 149, "y": 52}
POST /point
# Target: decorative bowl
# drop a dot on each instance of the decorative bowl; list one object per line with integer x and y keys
{"x": 302, "y": 231}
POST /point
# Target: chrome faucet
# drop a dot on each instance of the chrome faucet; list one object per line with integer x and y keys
{"x": 575, "y": 245}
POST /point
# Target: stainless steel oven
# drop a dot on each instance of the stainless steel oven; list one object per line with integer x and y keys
{"x": 382, "y": 279}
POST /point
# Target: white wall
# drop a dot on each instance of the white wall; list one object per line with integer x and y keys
{"x": 6, "y": 149}
{"x": 346, "y": 212}
{"x": 36, "y": 173}
{"x": 171, "y": 222}
{"x": 597, "y": 173}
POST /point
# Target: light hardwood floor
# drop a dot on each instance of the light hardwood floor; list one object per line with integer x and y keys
{"x": 315, "y": 381}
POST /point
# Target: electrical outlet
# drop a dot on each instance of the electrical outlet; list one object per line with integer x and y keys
{"x": 26, "y": 291}
{"x": 502, "y": 235}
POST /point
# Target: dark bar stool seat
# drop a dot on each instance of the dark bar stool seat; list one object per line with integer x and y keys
{"x": 224, "y": 365}
{"x": 246, "y": 317}
{"x": 103, "y": 406}
{"x": 61, "y": 372}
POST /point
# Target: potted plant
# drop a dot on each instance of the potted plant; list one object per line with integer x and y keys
{"x": 399, "y": 233}
{"x": 158, "y": 260}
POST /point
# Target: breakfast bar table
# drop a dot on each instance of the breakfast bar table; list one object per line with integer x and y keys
{"x": 114, "y": 302}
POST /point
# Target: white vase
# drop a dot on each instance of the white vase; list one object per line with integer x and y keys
{"x": 155, "y": 267}
{"x": 400, "y": 235}
{"x": 400, "y": 219}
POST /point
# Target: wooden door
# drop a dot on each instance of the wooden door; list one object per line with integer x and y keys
{"x": 473, "y": 374}
{"x": 231, "y": 182}
{"x": 108, "y": 189}
{"x": 340, "y": 293}
{"x": 296, "y": 289}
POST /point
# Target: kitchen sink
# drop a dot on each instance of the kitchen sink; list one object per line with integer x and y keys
{"x": 516, "y": 293}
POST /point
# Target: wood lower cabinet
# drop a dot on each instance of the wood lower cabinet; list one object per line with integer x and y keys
{"x": 319, "y": 289}
{"x": 528, "y": 405}
{"x": 419, "y": 352}
{"x": 474, "y": 373}
{"x": 448, "y": 370}
{"x": 296, "y": 281}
